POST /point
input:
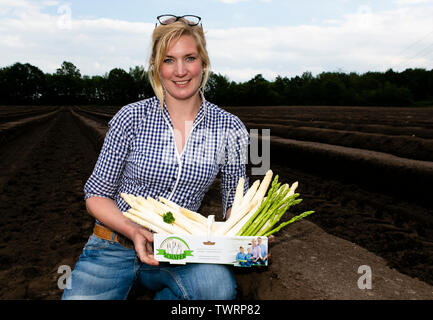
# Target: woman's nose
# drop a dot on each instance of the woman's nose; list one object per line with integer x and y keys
{"x": 180, "y": 69}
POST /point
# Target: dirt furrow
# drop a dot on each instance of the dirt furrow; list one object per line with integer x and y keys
{"x": 19, "y": 140}
{"x": 392, "y": 130}
{"x": 8, "y": 117}
{"x": 402, "y": 146}
{"x": 43, "y": 210}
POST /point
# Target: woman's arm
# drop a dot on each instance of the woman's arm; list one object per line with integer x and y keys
{"x": 106, "y": 211}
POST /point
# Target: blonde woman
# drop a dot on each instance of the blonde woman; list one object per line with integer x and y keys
{"x": 172, "y": 145}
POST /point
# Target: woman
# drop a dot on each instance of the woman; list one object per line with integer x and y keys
{"x": 173, "y": 146}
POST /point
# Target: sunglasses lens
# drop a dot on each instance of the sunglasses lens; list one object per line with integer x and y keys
{"x": 167, "y": 19}
{"x": 192, "y": 20}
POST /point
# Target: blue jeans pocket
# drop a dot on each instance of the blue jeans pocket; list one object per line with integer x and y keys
{"x": 94, "y": 244}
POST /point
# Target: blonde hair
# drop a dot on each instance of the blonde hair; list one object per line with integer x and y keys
{"x": 161, "y": 38}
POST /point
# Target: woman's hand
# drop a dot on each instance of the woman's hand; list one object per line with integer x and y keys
{"x": 143, "y": 240}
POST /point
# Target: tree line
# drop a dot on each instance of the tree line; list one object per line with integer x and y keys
{"x": 25, "y": 84}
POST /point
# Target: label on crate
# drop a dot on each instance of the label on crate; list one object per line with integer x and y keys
{"x": 236, "y": 250}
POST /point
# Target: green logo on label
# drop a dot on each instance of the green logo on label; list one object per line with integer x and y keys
{"x": 174, "y": 248}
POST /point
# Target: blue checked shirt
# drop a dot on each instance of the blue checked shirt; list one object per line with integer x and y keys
{"x": 139, "y": 156}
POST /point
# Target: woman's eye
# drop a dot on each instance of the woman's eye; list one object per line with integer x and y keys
{"x": 190, "y": 59}
{"x": 168, "y": 60}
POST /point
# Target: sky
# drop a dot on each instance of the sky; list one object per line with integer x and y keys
{"x": 244, "y": 37}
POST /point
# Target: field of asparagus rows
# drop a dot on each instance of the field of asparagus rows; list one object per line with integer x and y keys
{"x": 367, "y": 173}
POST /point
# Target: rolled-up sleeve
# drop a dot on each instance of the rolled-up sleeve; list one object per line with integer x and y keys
{"x": 234, "y": 166}
{"x": 105, "y": 178}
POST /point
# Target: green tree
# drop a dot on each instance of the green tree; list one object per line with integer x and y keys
{"x": 66, "y": 85}
{"x": 258, "y": 92}
{"x": 68, "y": 69}
{"x": 121, "y": 87}
{"x": 218, "y": 89}
{"x": 142, "y": 83}
{"x": 22, "y": 84}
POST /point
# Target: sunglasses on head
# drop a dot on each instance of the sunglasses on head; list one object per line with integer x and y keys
{"x": 166, "y": 19}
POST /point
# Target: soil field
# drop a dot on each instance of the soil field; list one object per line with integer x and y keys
{"x": 366, "y": 171}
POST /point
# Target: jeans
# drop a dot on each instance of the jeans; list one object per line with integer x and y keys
{"x": 107, "y": 271}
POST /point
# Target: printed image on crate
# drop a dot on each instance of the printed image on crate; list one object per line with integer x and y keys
{"x": 254, "y": 253}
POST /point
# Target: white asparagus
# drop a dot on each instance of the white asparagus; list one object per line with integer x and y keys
{"x": 145, "y": 210}
{"x": 292, "y": 189}
{"x": 137, "y": 202}
{"x": 148, "y": 214}
{"x": 194, "y": 216}
{"x": 238, "y": 196}
{"x": 141, "y": 200}
{"x": 190, "y": 214}
{"x": 238, "y": 226}
{"x": 169, "y": 203}
{"x": 255, "y": 195}
{"x": 155, "y": 208}
{"x": 129, "y": 199}
{"x": 157, "y": 221}
{"x": 197, "y": 225}
{"x": 261, "y": 192}
{"x": 250, "y": 194}
{"x": 181, "y": 220}
{"x": 235, "y": 219}
{"x": 144, "y": 223}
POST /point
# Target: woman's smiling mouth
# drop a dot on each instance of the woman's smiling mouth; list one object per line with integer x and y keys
{"x": 181, "y": 83}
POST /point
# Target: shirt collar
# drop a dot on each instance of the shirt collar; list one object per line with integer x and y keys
{"x": 199, "y": 116}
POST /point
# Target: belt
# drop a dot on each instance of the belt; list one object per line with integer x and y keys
{"x": 107, "y": 234}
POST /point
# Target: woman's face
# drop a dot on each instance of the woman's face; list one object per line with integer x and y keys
{"x": 181, "y": 69}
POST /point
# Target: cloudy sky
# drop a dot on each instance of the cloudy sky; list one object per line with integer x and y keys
{"x": 245, "y": 37}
